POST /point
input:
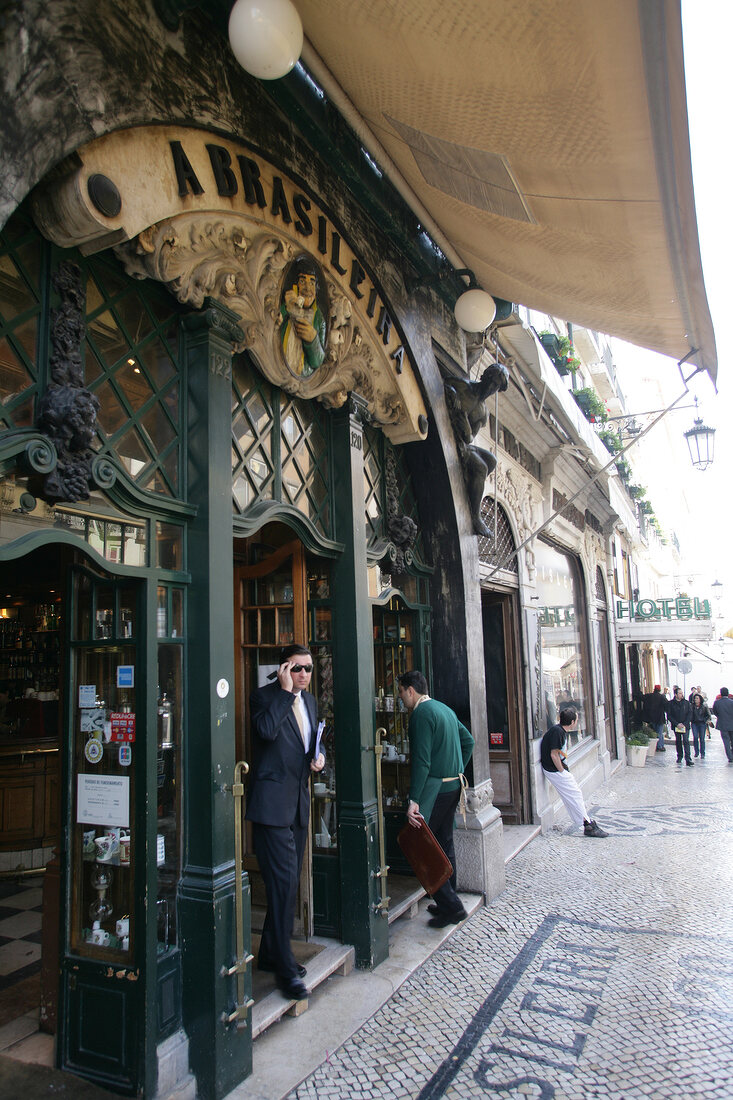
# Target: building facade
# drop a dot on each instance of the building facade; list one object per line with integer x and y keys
{"x": 224, "y": 427}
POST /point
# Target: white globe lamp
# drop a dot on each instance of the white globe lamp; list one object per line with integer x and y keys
{"x": 475, "y": 310}
{"x": 266, "y": 37}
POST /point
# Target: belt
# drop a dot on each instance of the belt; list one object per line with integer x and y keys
{"x": 464, "y": 787}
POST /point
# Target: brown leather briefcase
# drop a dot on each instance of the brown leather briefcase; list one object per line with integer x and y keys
{"x": 425, "y": 856}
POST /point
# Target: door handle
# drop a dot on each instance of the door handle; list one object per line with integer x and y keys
{"x": 243, "y": 959}
{"x": 383, "y": 905}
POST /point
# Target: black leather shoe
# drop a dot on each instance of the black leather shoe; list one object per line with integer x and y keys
{"x": 434, "y": 909}
{"x": 689, "y": 764}
{"x": 270, "y": 969}
{"x": 293, "y": 990}
{"x": 442, "y": 920}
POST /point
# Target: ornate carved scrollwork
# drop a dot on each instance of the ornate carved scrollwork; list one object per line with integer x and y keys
{"x": 401, "y": 530}
{"x": 67, "y": 412}
{"x": 242, "y": 264}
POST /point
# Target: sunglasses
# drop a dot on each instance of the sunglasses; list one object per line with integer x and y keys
{"x": 301, "y": 668}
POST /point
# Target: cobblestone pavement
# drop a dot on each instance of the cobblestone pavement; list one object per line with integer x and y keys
{"x": 603, "y": 971}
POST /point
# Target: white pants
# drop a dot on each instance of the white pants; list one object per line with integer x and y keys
{"x": 570, "y": 793}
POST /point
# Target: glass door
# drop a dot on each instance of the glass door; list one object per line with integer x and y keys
{"x": 270, "y": 612}
{"x": 507, "y": 754}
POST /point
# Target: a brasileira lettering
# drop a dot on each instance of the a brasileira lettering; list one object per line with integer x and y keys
{"x": 674, "y": 607}
{"x": 563, "y": 1000}
{"x": 240, "y": 176}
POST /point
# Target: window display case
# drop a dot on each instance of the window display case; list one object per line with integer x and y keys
{"x": 394, "y": 653}
{"x": 103, "y": 706}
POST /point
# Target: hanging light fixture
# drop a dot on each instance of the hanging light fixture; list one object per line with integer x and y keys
{"x": 475, "y": 310}
{"x": 701, "y": 443}
{"x": 266, "y": 37}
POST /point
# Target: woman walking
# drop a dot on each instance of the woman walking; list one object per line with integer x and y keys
{"x": 699, "y": 718}
{"x": 679, "y": 712}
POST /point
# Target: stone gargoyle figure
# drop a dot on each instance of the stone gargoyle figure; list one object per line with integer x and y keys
{"x": 466, "y": 403}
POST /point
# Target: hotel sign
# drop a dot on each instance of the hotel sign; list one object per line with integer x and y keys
{"x": 681, "y": 608}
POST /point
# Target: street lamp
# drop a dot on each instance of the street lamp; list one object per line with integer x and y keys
{"x": 701, "y": 443}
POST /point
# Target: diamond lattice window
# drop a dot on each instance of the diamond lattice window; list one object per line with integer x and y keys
{"x": 280, "y": 448}
{"x": 373, "y": 488}
{"x": 490, "y": 553}
{"x": 132, "y": 365}
{"x": 304, "y": 456}
{"x": 600, "y": 586}
{"x": 20, "y": 312}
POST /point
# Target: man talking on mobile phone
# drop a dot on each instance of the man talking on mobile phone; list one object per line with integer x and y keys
{"x": 284, "y": 719}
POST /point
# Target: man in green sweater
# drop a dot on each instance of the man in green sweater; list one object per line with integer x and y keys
{"x": 440, "y": 748}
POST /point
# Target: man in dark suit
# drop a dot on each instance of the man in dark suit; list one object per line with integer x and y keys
{"x": 284, "y": 721}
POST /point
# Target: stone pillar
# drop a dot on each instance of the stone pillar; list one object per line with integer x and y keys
{"x": 479, "y": 845}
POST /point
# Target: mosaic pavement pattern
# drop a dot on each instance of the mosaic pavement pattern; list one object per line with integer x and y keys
{"x": 604, "y": 971}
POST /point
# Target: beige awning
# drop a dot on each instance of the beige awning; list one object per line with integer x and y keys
{"x": 547, "y": 140}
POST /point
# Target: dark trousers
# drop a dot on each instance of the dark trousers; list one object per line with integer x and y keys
{"x": 726, "y": 737}
{"x": 441, "y": 825}
{"x": 698, "y": 738}
{"x": 682, "y": 741}
{"x": 279, "y": 851}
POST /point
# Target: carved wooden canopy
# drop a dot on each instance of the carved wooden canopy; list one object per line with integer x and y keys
{"x": 208, "y": 218}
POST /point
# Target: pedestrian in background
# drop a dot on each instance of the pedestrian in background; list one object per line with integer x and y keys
{"x": 656, "y": 715}
{"x": 678, "y": 712}
{"x": 699, "y": 718}
{"x": 723, "y": 711}
{"x": 556, "y": 772}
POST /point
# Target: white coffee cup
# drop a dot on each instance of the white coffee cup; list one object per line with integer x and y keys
{"x": 319, "y": 788}
{"x": 122, "y": 927}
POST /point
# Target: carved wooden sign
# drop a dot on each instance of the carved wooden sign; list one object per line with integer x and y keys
{"x": 207, "y": 217}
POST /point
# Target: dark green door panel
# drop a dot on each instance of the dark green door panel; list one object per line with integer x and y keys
{"x": 102, "y": 1033}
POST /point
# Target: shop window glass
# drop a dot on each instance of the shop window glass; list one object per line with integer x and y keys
{"x": 394, "y": 653}
{"x": 20, "y": 293}
{"x": 168, "y": 546}
{"x": 280, "y": 448}
{"x": 132, "y": 368}
{"x": 169, "y": 740}
{"x": 564, "y": 674}
{"x": 104, "y": 747}
{"x": 320, "y": 631}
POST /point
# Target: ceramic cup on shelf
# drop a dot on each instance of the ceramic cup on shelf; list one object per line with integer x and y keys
{"x": 124, "y": 850}
{"x": 319, "y": 788}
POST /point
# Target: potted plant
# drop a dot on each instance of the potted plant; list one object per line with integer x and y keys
{"x": 590, "y": 404}
{"x": 652, "y": 743}
{"x": 561, "y": 351}
{"x": 636, "y": 747}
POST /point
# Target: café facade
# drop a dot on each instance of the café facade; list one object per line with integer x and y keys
{"x": 224, "y": 428}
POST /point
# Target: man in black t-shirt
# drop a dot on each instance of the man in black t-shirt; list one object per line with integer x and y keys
{"x": 552, "y": 758}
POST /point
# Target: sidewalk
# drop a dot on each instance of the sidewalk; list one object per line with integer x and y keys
{"x": 603, "y": 971}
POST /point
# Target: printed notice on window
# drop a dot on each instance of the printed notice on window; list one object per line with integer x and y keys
{"x": 103, "y": 799}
